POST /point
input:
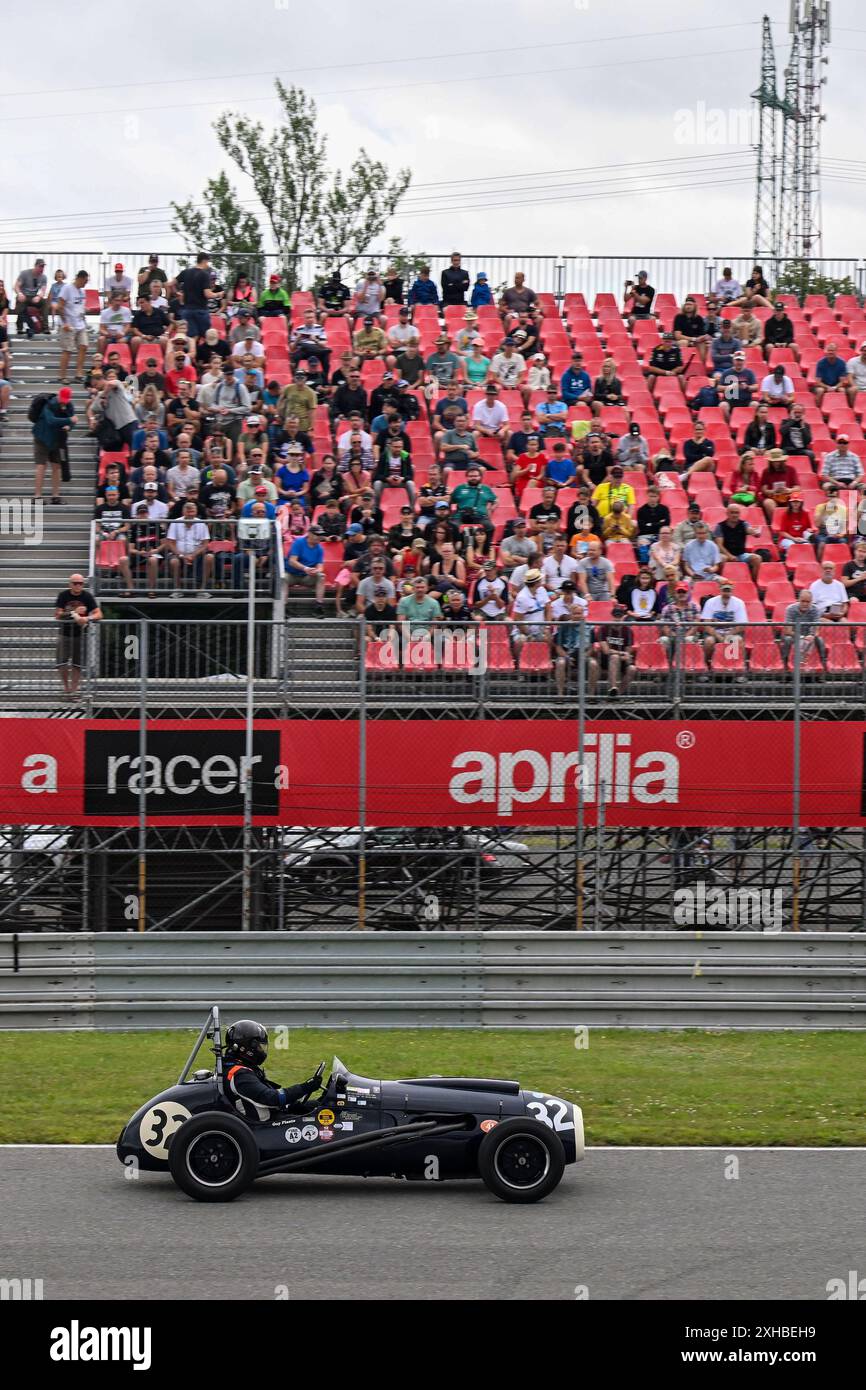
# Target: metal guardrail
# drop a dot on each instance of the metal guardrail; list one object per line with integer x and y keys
{"x": 564, "y": 273}
{"x": 136, "y": 562}
{"x": 121, "y": 982}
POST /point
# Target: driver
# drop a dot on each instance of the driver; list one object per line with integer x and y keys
{"x": 253, "y": 1094}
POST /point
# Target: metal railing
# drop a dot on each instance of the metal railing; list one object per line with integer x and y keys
{"x": 477, "y": 667}
{"x": 141, "y": 559}
{"x": 497, "y": 980}
{"x": 558, "y": 274}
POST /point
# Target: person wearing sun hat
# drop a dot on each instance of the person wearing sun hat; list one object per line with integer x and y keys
{"x": 481, "y": 291}
{"x": 50, "y": 432}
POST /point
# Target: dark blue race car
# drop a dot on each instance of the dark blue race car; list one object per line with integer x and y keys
{"x": 434, "y": 1127}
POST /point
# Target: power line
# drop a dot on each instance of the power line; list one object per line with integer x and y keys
{"x": 382, "y": 62}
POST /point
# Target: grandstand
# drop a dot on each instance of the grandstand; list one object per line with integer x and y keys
{"x": 312, "y": 660}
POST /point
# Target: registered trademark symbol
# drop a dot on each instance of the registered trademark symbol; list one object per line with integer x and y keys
{"x": 685, "y": 739}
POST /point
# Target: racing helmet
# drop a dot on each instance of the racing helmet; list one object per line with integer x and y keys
{"x": 249, "y": 1040}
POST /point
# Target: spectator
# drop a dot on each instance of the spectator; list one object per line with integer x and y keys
{"x": 468, "y": 335}
{"x": 369, "y": 295}
{"x": 447, "y": 569}
{"x": 778, "y": 330}
{"x": 665, "y": 359}
{"x": 518, "y": 298}
{"x": 756, "y": 291}
{"x": 448, "y": 407}
{"x": 702, "y": 558}
{"x": 75, "y": 609}
{"x": 474, "y": 501}
{"x": 31, "y": 300}
{"x": 747, "y": 328}
{"x": 854, "y": 573}
{"x": 575, "y": 386}
{"x": 50, "y": 434}
{"x": 370, "y": 341}
{"x": 760, "y": 432}
{"x": 632, "y": 450}
{"x": 114, "y": 323}
{"x": 118, "y": 284}
{"x": 802, "y": 618}
{"x": 724, "y": 617}
{"x": 490, "y": 416}
{"x": 777, "y": 482}
{"x": 856, "y": 368}
{"x": 831, "y": 519}
{"x": 443, "y": 365}
{"x": 545, "y": 511}
{"x": 643, "y": 598}
{"x": 723, "y": 347}
{"x": 732, "y": 536}
{"x": 651, "y": 517}
{"x": 481, "y": 291}
{"x": 560, "y": 469}
{"x": 455, "y": 281}
{"x": 490, "y": 603}
{"x": 829, "y": 594}
{"x": 305, "y": 565}
{"x": 638, "y": 298}
{"x": 689, "y": 329}
{"x": 291, "y": 481}
{"x": 685, "y": 530}
{"x": 298, "y": 399}
{"x": 613, "y": 651}
{"x": 196, "y": 296}
{"x": 274, "y": 302}
{"x": 529, "y": 609}
{"x": 777, "y": 389}
{"x": 841, "y": 466}
{"x": 310, "y": 340}
{"x": 595, "y": 461}
{"x": 423, "y": 290}
{"x": 242, "y": 295}
{"x": 477, "y": 365}
{"x": 458, "y": 446}
{"x": 735, "y": 386}
{"x": 596, "y": 574}
{"x": 618, "y": 525}
{"x": 558, "y": 566}
{"x": 333, "y": 297}
{"x": 517, "y": 548}
{"x": 744, "y": 482}
{"x": 403, "y": 333}
{"x": 831, "y": 374}
{"x": 699, "y": 452}
{"x": 507, "y": 367}
{"x": 613, "y": 489}
{"x": 679, "y": 617}
{"x": 54, "y": 293}
{"x": 795, "y": 526}
{"x": 551, "y": 414}
{"x": 186, "y": 544}
{"x": 182, "y": 477}
{"x": 571, "y": 637}
{"x": 394, "y": 469}
{"x": 727, "y": 289}
{"x": 419, "y": 609}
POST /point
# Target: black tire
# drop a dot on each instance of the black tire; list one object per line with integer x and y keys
{"x": 521, "y": 1160}
{"x": 213, "y": 1157}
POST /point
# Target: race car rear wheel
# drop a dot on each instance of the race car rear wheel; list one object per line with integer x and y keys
{"x": 521, "y": 1160}
{"x": 213, "y": 1157}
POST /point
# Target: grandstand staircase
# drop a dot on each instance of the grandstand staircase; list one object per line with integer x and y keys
{"x": 322, "y": 670}
{"x": 31, "y": 575}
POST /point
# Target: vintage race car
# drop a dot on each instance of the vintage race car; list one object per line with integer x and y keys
{"x": 518, "y": 1142}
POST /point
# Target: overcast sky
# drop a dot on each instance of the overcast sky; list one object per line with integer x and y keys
{"x": 550, "y": 88}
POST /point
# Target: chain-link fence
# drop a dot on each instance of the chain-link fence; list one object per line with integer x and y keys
{"x": 309, "y": 774}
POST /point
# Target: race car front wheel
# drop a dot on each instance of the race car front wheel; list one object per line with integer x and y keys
{"x": 213, "y": 1157}
{"x": 521, "y": 1160}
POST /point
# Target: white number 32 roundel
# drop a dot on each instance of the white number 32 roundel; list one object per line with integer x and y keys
{"x": 158, "y": 1124}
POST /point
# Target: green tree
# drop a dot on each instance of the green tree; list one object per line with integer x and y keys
{"x": 222, "y": 227}
{"x": 335, "y": 215}
{"x": 800, "y": 278}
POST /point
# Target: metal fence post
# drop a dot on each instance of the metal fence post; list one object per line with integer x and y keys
{"x": 795, "y": 791}
{"x": 581, "y": 776}
{"x": 362, "y": 775}
{"x": 246, "y": 896}
{"x": 142, "y": 774}
{"x": 599, "y": 841}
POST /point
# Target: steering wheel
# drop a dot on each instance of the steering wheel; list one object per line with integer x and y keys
{"x": 317, "y": 1076}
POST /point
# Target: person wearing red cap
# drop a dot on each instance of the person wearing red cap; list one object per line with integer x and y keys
{"x": 50, "y": 432}
{"x": 274, "y": 300}
{"x": 118, "y": 283}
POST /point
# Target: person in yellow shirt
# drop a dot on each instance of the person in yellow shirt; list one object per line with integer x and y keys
{"x": 618, "y": 525}
{"x": 614, "y": 488}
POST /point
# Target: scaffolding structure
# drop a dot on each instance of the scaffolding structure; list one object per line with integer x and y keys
{"x": 788, "y": 149}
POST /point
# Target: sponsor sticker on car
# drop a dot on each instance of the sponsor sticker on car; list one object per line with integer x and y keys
{"x": 309, "y": 1132}
{"x": 325, "y": 1117}
{"x": 293, "y": 1135}
{"x": 326, "y": 1133}
{"x": 487, "y": 1125}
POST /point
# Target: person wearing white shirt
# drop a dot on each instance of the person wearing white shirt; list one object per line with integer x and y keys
{"x": 567, "y": 602}
{"x": 508, "y": 366}
{"x": 491, "y": 595}
{"x": 723, "y": 613}
{"x": 777, "y": 388}
{"x": 402, "y": 333}
{"x": 187, "y": 544}
{"x": 490, "y": 416}
{"x": 530, "y": 608}
{"x": 247, "y": 347}
{"x": 558, "y": 566}
{"x": 829, "y": 594}
{"x": 727, "y": 288}
{"x": 857, "y": 372}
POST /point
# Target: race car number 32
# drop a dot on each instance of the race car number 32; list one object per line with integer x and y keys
{"x": 542, "y": 1109}
{"x": 158, "y": 1124}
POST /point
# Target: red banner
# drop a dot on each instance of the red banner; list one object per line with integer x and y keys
{"x": 486, "y": 773}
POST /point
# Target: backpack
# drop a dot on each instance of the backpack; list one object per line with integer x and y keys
{"x": 37, "y": 405}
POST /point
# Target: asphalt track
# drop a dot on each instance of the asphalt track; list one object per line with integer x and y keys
{"x": 626, "y": 1224}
